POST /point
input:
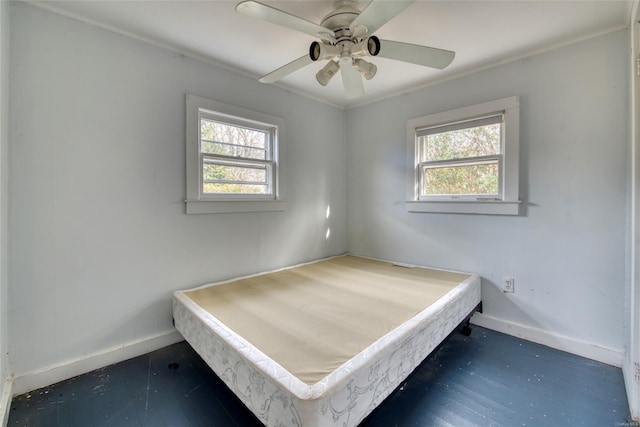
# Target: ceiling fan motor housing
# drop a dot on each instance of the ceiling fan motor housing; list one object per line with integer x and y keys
{"x": 342, "y": 16}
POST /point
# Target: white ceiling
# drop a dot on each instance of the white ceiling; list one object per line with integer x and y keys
{"x": 481, "y": 32}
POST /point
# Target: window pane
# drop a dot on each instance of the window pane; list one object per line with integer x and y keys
{"x": 462, "y": 143}
{"x": 213, "y": 171}
{"x": 475, "y": 179}
{"x": 211, "y": 188}
{"x": 228, "y": 140}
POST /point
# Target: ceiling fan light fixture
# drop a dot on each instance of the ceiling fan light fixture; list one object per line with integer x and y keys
{"x": 367, "y": 47}
{"x": 373, "y": 45}
{"x": 319, "y": 51}
{"x": 367, "y": 69}
{"x": 328, "y": 71}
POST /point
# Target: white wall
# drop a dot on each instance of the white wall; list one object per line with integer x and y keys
{"x": 99, "y": 237}
{"x": 567, "y": 248}
{"x": 4, "y": 143}
{"x": 631, "y": 365}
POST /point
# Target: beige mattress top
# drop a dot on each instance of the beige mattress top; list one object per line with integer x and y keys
{"x": 313, "y": 318}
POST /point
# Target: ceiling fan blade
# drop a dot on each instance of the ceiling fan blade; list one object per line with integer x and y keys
{"x": 276, "y": 16}
{"x": 416, "y": 54}
{"x": 377, "y": 14}
{"x": 285, "y": 70}
{"x": 352, "y": 81}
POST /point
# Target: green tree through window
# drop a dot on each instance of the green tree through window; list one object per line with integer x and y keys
{"x": 237, "y": 166}
{"x": 473, "y": 172}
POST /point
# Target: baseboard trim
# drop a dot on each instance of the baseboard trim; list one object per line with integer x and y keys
{"x": 5, "y": 401}
{"x": 570, "y": 345}
{"x": 33, "y": 380}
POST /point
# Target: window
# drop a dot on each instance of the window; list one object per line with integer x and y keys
{"x": 236, "y": 159}
{"x": 465, "y": 160}
{"x": 233, "y": 159}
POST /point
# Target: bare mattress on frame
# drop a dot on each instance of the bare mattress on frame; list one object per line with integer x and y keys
{"x": 323, "y": 343}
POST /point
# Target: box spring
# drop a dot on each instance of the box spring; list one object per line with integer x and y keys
{"x": 339, "y": 388}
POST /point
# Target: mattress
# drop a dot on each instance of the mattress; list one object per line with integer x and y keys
{"x": 323, "y": 343}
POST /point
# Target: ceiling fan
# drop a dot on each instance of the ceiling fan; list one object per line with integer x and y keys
{"x": 345, "y": 37}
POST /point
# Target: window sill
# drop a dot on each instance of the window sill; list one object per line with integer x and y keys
{"x": 234, "y": 206}
{"x": 465, "y": 207}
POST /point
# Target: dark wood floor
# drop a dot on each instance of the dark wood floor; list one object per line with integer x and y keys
{"x": 487, "y": 379}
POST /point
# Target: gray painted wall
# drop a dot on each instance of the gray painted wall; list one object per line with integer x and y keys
{"x": 4, "y": 174}
{"x": 99, "y": 237}
{"x": 631, "y": 364}
{"x": 567, "y": 248}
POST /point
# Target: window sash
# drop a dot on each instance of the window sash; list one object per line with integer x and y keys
{"x": 255, "y": 165}
{"x": 264, "y": 153}
{"x": 267, "y": 131}
{"x": 268, "y": 165}
{"x": 478, "y": 121}
{"x": 459, "y": 125}
{"x": 468, "y": 161}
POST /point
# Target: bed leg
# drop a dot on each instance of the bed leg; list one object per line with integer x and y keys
{"x": 466, "y": 328}
{"x": 466, "y": 325}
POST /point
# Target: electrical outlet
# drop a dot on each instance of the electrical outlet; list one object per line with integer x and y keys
{"x": 508, "y": 284}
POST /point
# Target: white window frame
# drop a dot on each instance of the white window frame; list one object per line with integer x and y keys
{"x": 197, "y": 201}
{"x": 506, "y": 202}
